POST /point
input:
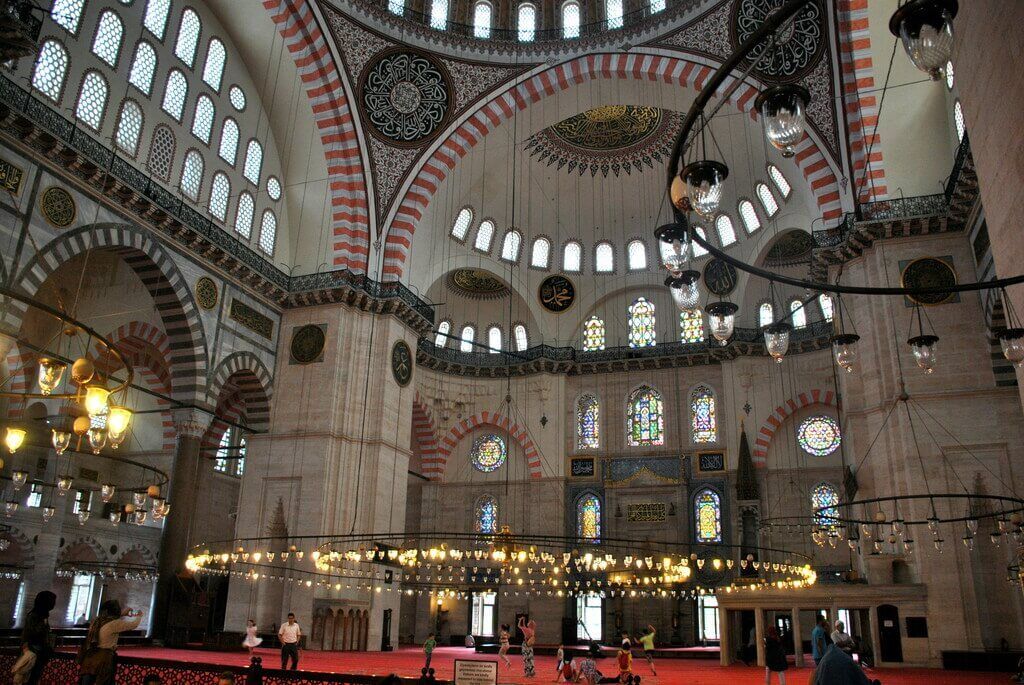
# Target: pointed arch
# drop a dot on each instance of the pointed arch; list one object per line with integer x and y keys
{"x": 588, "y": 511}
{"x": 254, "y": 382}
{"x": 775, "y": 420}
{"x": 485, "y": 418}
{"x": 425, "y": 432}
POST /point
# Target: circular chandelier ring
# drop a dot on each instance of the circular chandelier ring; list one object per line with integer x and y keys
{"x": 1006, "y": 506}
{"x": 161, "y": 476}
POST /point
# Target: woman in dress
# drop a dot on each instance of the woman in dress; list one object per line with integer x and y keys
{"x": 251, "y": 641}
{"x": 98, "y": 654}
{"x": 529, "y": 635}
{"x": 503, "y": 642}
{"x": 774, "y": 657}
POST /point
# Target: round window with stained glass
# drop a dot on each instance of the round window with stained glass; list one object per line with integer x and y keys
{"x": 488, "y": 453}
{"x": 819, "y": 435}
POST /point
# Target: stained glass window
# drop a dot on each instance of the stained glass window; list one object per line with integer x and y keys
{"x": 571, "y": 20}
{"x": 825, "y": 302}
{"x": 51, "y": 68}
{"x": 460, "y": 227}
{"x": 268, "y": 232}
{"x": 540, "y": 253}
{"x": 799, "y": 313}
{"x": 482, "y": 20}
{"x": 522, "y": 340}
{"x": 703, "y": 418}
{"x": 645, "y": 424}
{"x": 691, "y": 326}
{"x": 488, "y": 453}
{"x": 593, "y": 334}
{"x": 67, "y": 14}
{"x": 604, "y": 258}
{"x": 143, "y": 67}
{"x": 244, "y": 215}
{"x": 106, "y": 44}
{"x": 641, "y": 324}
{"x": 510, "y": 245}
{"x": 707, "y": 516}
{"x": 819, "y": 435}
{"x": 494, "y": 340}
{"x": 768, "y": 203}
{"x": 588, "y": 518}
{"x": 92, "y": 100}
{"x": 726, "y": 233}
{"x": 765, "y": 314}
{"x": 486, "y": 515}
{"x": 824, "y": 502}
{"x": 188, "y": 37}
{"x": 213, "y": 70}
{"x": 780, "y": 181}
{"x": 749, "y": 216}
{"x": 636, "y": 255}
{"x": 443, "y": 329}
{"x": 129, "y": 127}
{"x": 588, "y": 430}
{"x": 527, "y": 22}
{"x": 572, "y": 255}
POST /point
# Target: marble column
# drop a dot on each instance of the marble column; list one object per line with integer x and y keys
{"x": 759, "y": 635}
{"x": 169, "y": 611}
{"x": 724, "y": 636}
{"x": 798, "y": 639}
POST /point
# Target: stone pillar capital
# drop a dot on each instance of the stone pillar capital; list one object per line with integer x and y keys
{"x": 190, "y": 422}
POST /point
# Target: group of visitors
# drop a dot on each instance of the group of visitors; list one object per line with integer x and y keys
{"x": 832, "y": 655}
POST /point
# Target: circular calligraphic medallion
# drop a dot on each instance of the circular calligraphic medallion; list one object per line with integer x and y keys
{"x": 556, "y": 293}
{"x": 928, "y": 272}
{"x": 206, "y": 293}
{"x": 719, "y": 277}
{"x": 407, "y": 96}
{"x": 58, "y": 207}
{"x": 308, "y": 343}
{"x": 401, "y": 363}
{"x": 798, "y": 43}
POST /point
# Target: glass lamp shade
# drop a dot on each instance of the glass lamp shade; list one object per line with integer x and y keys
{"x": 926, "y": 29}
{"x": 844, "y": 347}
{"x": 96, "y": 397}
{"x": 776, "y": 340}
{"x": 83, "y": 516}
{"x": 115, "y": 516}
{"x": 107, "y": 491}
{"x": 61, "y": 440}
{"x": 48, "y": 513}
{"x": 139, "y": 498}
{"x": 118, "y": 420}
{"x": 705, "y": 183}
{"x": 1012, "y": 342}
{"x": 721, "y": 320}
{"x": 140, "y": 516}
{"x": 684, "y": 289}
{"x": 14, "y": 438}
{"x": 923, "y": 347}
{"x": 64, "y": 484}
{"x": 97, "y": 439}
{"x": 50, "y": 373}
{"x": 782, "y": 110}
{"x": 10, "y": 507}
{"x": 677, "y": 193}
{"x": 673, "y": 246}
{"x": 18, "y": 479}
{"x": 115, "y": 440}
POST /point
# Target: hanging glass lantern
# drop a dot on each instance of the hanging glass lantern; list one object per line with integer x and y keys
{"x": 50, "y": 373}
{"x": 139, "y": 498}
{"x": 140, "y": 517}
{"x": 1012, "y": 342}
{"x": 705, "y": 183}
{"x": 684, "y": 289}
{"x": 673, "y": 246}
{"x": 908, "y": 545}
{"x": 923, "y": 347}
{"x": 83, "y": 516}
{"x": 96, "y": 398}
{"x": 933, "y": 524}
{"x": 118, "y": 420}
{"x": 721, "y": 319}
{"x": 64, "y": 484}
{"x": 107, "y": 491}
{"x": 10, "y": 507}
{"x": 115, "y": 516}
{"x": 926, "y": 29}
{"x": 61, "y": 440}
{"x": 14, "y": 438}
{"x": 845, "y": 351}
{"x": 48, "y": 513}
{"x": 776, "y": 339}
{"x": 97, "y": 439}
{"x": 968, "y": 542}
{"x": 18, "y": 479}
{"x": 782, "y": 111}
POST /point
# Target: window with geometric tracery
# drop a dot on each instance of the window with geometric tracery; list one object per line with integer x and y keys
{"x": 143, "y": 68}
{"x": 460, "y": 227}
{"x": 588, "y": 423}
{"x": 614, "y": 11}
{"x": 765, "y": 315}
{"x": 175, "y": 94}
{"x": 527, "y": 22}
{"x": 699, "y": 250}
{"x": 703, "y": 416}
{"x": 50, "y": 70}
{"x": 396, "y": 7}
{"x": 220, "y": 191}
{"x": 106, "y": 44}
{"x": 213, "y": 69}
{"x": 67, "y": 14}
{"x": 484, "y": 235}
{"x": 482, "y": 20}
{"x": 228, "y": 150}
{"x": 645, "y": 423}
{"x": 92, "y": 100}
{"x": 958, "y": 120}
{"x": 707, "y": 516}
{"x": 572, "y": 256}
{"x": 726, "y": 233}
{"x": 636, "y": 255}
{"x": 192, "y": 174}
{"x": 825, "y": 505}
{"x": 488, "y": 453}
{"x": 825, "y": 302}
{"x": 510, "y": 245}
{"x": 486, "y": 515}
{"x": 540, "y": 253}
{"x": 268, "y": 232}
{"x": 202, "y": 120}
{"x": 221, "y": 459}
{"x": 188, "y": 37}
{"x": 161, "y": 152}
{"x": 244, "y": 215}
{"x": 641, "y": 324}
{"x": 768, "y": 203}
{"x": 522, "y": 340}
{"x": 588, "y": 518}
{"x": 798, "y": 313}
{"x": 439, "y": 14}
{"x": 240, "y": 461}
{"x": 657, "y": 6}
{"x": 443, "y": 329}
{"x": 467, "y": 339}
{"x": 691, "y": 326}
{"x": 749, "y": 216}
{"x": 494, "y": 340}
{"x": 571, "y": 19}
{"x": 604, "y": 258}
{"x": 819, "y": 435}
{"x": 780, "y": 181}
{"x": 253, "y": 162}
{"x": 155, "y": 19}
{"x": 129, "y": 128}
{"x": 593, "y": 334}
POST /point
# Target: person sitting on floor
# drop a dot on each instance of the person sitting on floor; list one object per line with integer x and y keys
{"x": 838, "y": 668}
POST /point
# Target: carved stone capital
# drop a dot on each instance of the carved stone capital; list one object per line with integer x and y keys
{"x": 190, "y": 423}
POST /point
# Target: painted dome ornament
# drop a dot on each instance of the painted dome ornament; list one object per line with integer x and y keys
{"x": 926, "y": 29}
{"x": 705, "y": 183}
{"x": 782, "y": 110}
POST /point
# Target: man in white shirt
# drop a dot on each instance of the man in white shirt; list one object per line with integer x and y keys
{"x": 289, "y": 634}
{"x": 842, "y": 639}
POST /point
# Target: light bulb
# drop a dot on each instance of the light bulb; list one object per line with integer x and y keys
{"x": 96, "y": 397}
{"x": 776, "y": 340}
{"x": 61, "y": 440}
{"x": 139, "y": 498}
{"x": 50, "y": 373}
{"x": 140, "y": 516}
{"x": 14, "y": 438}
{"x": 115, "y": 517}
{"x": 923, "y": 347}
{"x": 83, "y": 516}
{"x": 10, "y": 507}
{"x": 705, "y": 183}
{"x": 926, "y": 29}
{"x": 782, "y": 114}
{"x": 844, "y": 347}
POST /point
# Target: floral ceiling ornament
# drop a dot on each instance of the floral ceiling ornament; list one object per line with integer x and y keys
{"x": 407, "y": 96}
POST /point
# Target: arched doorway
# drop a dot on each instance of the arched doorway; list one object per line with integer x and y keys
{"x": 890, "y": 644}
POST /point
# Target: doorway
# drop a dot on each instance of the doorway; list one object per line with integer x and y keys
{"x": 385, "y": 636}
{"x": 891, "y": 647}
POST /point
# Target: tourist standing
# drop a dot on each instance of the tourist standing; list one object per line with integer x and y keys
{"x": 818, "y": 640}
{"x": 428, "y": 649}
{"x": 774, "y": 657}
{"x": 35, "y": 635}
{"x": 647, "y": 640}
{"x": 529, "y": 636}
{"x": 560, "y": 657}
{"x": 503, "y": 635}
{"x": 252, "y": 640}
{"x": 98, "y": 654}
{"x": 289, "y": 634}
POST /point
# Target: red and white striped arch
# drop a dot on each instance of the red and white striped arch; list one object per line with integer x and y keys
{"x": 782, "y": 412}
{"x": 679, "y": 69}
{"x": 350, "y": 215}
{"x": 425, "y": 432}
{"x": 21, "y": 371}
{"x": 461, "y": 429}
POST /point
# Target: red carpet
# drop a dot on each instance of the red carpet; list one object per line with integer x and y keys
{"x": 408, "y": 660}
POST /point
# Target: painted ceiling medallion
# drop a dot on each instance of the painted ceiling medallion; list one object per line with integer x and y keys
{"x": 401, "y": 363}
{"x": 792, "y": 248}
{"x": 611, "y": 138}
{"x": 407, "y": 96}
{"x": 556, "y": 293}
{"x": 929, "y": 272}
{"x": 798, "y": 45}
{"x": 476, "y": 283}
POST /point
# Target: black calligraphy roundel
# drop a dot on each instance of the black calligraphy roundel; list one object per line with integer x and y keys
{"x": 407, "y": 96}
{"x": 556, "y": 293}
{"x": 401, "y": 363}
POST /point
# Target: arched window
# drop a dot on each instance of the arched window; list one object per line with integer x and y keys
{"x": 699, "y": 251}
{"x": 540, "y": 253}
{"x": 645, "y": 424}
{"x": 220, "y": 191}
{"x": 494, "y": 340}
{"x": 527, "y": 22}
{"x": 707, "y": 516}
{"x": 636, "y": 255}
{"x": 825, "y": 302}
{"x": 443, "y": 329}
{"x": 641, "y": 323}
{"x": 460, "y": 227}
{"x": 613, "y": 10}
{"x": 228, "y": 149}
{"x": 482, "y": 20}
{"x": 572, "y": 257}
{"x": 522, "y": 339}
{"x": 67, "y": 14}
{"x": 268, "y": 232}
{"x": 510, "y": 245}
{"x": 824, "y": 504}
{"x": 765, "y": 314}
{"x": 192, "y": 174}
{"x": 240, "y": 461}
{"x": 221, "y": 459}
{"x": 703, "y": 418}
{"x": 92, "y": 100}
{"x": 50, "y": 70}
{"x": 244, "y": 215}
{"x": 439, "y": 14}
{"x": 949, "y": 75}
{"x": 488, "y": 453}
{"x": 780, "y": 181}
{"x": 768, "y": 203}
{"x": 106, "y": 44}
{"x": 571, "y": 19}
{"x": 726, "y": 233}
{"x": 819, "y": 435}
{"x": 749, "y": 216}
{"x": 958, "y": 119}
{"x": 588, "y": 518}
{"x": 691, "y": 326}
{"x": 274, "y": 188}
{"x": 188, "y": 37}
{"x": 237, "y": 97}
{"x": 798, "y": 312}
{"x": 484, "y": 235}
{"x": 588, "y": 423}
{"x": 467, "y": 339}
{"x": 161, "y": 152}
{"x": 253, "y": 162}
{"x": 129, "y": 128}
{"x": 604, "y": 258}
{"x": 396, "y": 7}
{"x": 143, "y": 67}
{"x": 593, "y": 334}
{"x": 486, "y": 515}
{"x": 202, "y": 120}
{"x": 155, "y": 19}
{"x": 175, "y": 94}
{"x": 213, "y": 69}
{"x": 657, "y": 6}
